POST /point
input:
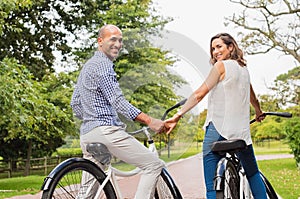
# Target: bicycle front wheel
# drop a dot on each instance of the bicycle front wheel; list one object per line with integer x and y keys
{"x": 166, "y": 187}
{"x": 231, "y": 183}
{"x": 80, "y": 180}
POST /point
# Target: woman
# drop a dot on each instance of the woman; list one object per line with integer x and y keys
{"x": 228, "y": 114}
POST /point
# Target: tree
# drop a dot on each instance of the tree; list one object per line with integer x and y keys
{"x": 7, "y": 6}
{"x": 30, "y": 126}
{"x": 267, "y": 25}
{"x": 34, "y": 31}
{"x": 292, "y": 130}
{"x": 287, "y": 87}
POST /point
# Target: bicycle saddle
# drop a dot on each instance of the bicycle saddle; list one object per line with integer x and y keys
{"x": 229, "y": 146}
{"x": 100, "y": 152}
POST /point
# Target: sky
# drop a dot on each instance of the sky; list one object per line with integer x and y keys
{"x": 198, "y": 21}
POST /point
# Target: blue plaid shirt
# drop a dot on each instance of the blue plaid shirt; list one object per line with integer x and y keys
{"x": 97, "y": 97}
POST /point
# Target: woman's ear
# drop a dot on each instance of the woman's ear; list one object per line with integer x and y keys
{"x": 230, "y": 47}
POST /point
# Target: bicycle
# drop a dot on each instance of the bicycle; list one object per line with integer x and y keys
{"x": 230, "y": 178}
{"x": 65, "y": 180}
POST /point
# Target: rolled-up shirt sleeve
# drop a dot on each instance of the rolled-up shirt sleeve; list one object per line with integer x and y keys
{"x": 76, "y": 104}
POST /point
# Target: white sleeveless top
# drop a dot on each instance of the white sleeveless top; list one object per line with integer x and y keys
{"x": 229, "y": 103}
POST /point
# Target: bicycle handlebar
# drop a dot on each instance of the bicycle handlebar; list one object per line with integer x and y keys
{"x": 280, "y": 114}
{"x": 163, "y": 117}
{"x": 172, "y": 108}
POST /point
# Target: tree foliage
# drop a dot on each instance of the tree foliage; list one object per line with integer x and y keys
{"x": 33, "y": 32}
{"x": 292, "y": 130}
{"x": 27, "y": 119}
{"x": 287, "y": 87}
{"x": 267, "y": 25}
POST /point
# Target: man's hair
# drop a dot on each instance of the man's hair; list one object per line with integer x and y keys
{"x": 103, "y": 28}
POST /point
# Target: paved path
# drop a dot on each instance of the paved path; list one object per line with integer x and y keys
{"x": 187, "y": 174}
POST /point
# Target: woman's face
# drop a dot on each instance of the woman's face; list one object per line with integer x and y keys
{"x": 220, "y": 51}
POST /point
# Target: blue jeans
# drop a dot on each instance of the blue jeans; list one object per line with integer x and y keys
{"x": 210, "y": 161}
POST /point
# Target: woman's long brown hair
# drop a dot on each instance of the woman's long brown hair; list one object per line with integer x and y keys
{"x": 237, "y": 54}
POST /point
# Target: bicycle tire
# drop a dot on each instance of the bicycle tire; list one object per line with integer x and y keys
{"x": 68, "y": 179}
{"x": 231, "y": 183}
{"x": 270, "y": 190}
{"x": 166, "y": 187}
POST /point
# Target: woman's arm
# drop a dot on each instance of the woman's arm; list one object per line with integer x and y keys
{"x": 255, "y": 103}
{"x": 216, "y": 74}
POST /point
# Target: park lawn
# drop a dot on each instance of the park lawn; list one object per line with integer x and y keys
{"x": 283, "y": 175}
{"x": 271, "y": 147}
{"x": 20, "y": 186}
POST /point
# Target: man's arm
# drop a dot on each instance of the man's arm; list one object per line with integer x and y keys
{"x": 76, "y": 104}
{"x": 154, "y": 124}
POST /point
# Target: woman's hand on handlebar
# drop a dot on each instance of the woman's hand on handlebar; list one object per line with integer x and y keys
{"x": 260, "y": 116}
{"x": 171, "y": 123}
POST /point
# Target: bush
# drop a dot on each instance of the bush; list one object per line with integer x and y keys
{"x": 68, "y": 152}
{"x": 292, "y": 129}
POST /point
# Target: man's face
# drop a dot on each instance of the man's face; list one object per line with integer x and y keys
{"x": 110, "y": 42}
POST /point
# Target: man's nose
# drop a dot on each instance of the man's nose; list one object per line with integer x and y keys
{"x": 119, "y": 44}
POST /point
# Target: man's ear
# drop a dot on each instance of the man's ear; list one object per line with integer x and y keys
{"x": 99, "y": 40}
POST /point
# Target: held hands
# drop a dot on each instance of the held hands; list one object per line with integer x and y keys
{"x": 156, "y": 125}
{"x": 171, "y": 123}
{"x": 167, "y": 126}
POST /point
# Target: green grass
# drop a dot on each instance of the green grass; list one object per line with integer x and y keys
{"x": 283, "y": 175}
{"x": 20, "y": 186}
{"x": 271, "y": 147}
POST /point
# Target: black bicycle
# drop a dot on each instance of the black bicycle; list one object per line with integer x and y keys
{"x": 81, "y": 178}
{"x": 230, "y": 178}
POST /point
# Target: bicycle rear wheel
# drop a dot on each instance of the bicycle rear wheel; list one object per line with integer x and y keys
{"x": 270, "y": 191}
{"x": 231, "y": 183}
{"x": 166, "y": 187}
{"x": 79, "y": 179}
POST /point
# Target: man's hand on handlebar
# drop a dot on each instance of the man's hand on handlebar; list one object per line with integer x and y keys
{"x": 157, "y": 125}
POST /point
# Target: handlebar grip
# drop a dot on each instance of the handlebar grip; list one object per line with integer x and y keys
{"x": 280, "y": 114}
{"x": 173, "y": 107}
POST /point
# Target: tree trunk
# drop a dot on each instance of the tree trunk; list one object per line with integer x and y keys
{"x": 27, "y": 165}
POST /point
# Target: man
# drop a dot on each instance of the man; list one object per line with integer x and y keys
{"x": 97, "y": 100}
